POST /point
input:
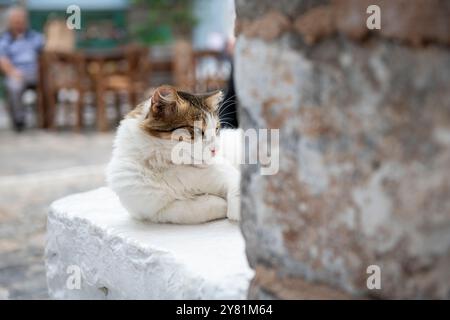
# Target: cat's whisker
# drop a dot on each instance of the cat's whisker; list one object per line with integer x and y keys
{"x": 227, "y": 118}
{"x": 227, "y": 123}
{"x": 228, "y": 113}
{"x": 224, "y": 103}
{"x": 228, "y": 105}
{"x": 227, "y": 99}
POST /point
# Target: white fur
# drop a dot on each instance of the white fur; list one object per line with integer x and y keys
{"x": 152, "y": 188}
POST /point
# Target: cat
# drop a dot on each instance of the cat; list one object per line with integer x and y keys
{"x": 154, "y": 187}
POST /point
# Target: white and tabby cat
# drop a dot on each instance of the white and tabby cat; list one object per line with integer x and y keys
{"x": 148, "y": 182}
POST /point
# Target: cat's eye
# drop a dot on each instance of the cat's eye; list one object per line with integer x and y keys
{"x": 180, "y": 138}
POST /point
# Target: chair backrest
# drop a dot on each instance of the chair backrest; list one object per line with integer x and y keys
{"x": 200, "y": 70}
{"x": 211, "y": 70}
{"x": 183, "y": 65}
{"x": 58, "y": 38}
{"x": 138, "y": 62}
{"x": 64, "y": 69}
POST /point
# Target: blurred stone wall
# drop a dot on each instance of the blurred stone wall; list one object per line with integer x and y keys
{"x": 364, "y": 120}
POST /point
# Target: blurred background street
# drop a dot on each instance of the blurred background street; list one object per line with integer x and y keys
{"x": 63, "y": 91}
{"x": 37, "y": 168}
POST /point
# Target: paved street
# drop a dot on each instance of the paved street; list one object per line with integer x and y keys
{"x": 37, "y": 167}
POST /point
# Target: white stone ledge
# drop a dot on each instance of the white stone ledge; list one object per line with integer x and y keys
{"x": 120, "y": 258}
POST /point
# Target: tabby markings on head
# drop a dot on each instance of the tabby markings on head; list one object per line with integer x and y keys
{"x": 169, "y": 110}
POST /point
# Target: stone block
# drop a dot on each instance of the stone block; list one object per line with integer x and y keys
{"x": 91, "y": 235}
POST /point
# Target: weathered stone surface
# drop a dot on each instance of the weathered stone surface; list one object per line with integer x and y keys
{"x": 364, "y": 158}
{"x": 415, "y": 22}
{"x": 120, "y": 258}
{"x": 267, "y": 284}
{"x": 270, "y": 26}
{"x": 255, "y": 9}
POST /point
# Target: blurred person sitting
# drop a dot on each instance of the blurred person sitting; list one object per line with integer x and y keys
{"x": 19, "y": 54}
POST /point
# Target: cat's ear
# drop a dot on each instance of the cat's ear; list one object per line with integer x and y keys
{"x": 214, "y": 99}
{"x": 164, "y": 101}
{"x": 165, "y": 94}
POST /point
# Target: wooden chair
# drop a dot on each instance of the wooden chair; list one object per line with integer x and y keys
{"x": 190, "y": 72}
{"x": 213, "y": 78}
{"x": 129, "y": 75}
{"x": 65, "y": 71}
{"x": 184, "y": 65}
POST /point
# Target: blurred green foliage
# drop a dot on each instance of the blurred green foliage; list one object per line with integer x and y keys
{"x": 166, "y": 20}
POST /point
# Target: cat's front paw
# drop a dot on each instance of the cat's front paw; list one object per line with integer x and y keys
{"x": 234, "y": 208}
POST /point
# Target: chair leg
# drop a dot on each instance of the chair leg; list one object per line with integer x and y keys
{"x": 132, "y": 99}
{"x": 80, "y": 109}
{"x": 40, "y": 109}
{"x": 102, "y": 123}
{"x": 118, "y": 107}
{"x": 51, "y": 114}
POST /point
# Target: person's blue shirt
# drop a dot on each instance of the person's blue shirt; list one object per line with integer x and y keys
{"x": 22, "y": 51}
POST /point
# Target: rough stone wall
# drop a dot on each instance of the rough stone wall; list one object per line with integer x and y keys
{"x": 364, "y": 121}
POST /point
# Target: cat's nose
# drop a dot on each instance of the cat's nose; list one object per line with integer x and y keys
{"x": 213, "y": 151}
